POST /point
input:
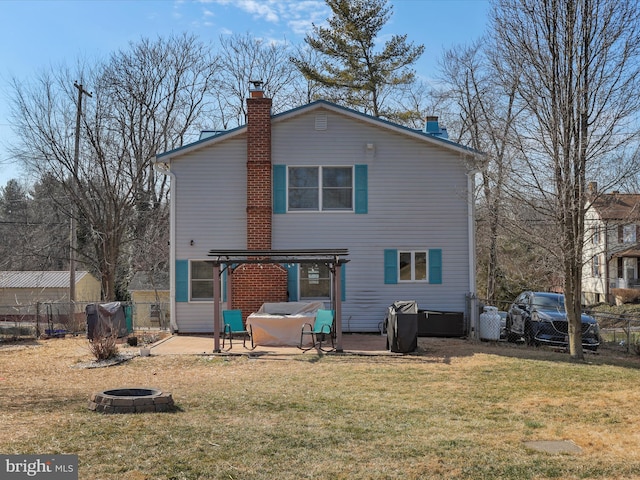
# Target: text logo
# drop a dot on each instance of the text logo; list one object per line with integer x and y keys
{"x": 49, "y": 467}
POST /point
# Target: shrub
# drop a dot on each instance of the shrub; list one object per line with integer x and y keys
{"x": 103, "y": 345}
{"x": 626, "y": 295}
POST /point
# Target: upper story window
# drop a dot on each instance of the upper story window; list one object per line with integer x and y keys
{"x": 596, "y": 235}
{"x": 595, "y": 266}
{"x": 629, "y": 233}
{"x": 320, "y": 188}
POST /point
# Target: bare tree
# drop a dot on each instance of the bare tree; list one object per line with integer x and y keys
{"x": 306, "y": 89}
{"x": 14, "y": 219}
{"x": 244, "y": 58}
{"x": 579, "y": 75}
{"x": 485, "y": 101}
{"x": 144, "y": 100}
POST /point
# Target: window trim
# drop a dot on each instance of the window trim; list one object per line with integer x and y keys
{"x": 320, "y": 189}
{"x": 629, "y": 233}
{"x": 190, "y": 279}
{"x": 595, "y": 268}
{"x": 300, "y": 281}
{"x": 413, "y": 265}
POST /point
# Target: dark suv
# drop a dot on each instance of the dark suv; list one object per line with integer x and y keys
{"x": 540, "y": 318}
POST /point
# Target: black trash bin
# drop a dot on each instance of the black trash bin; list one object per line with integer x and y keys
{"x": 402, "y": 326}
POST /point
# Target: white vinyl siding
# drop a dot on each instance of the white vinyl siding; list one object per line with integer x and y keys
{"x": 416, "y": 195}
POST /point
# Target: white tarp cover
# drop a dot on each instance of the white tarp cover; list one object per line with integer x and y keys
{"x": 280, "y": 324}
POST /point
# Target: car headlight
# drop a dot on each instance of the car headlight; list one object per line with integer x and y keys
{"x": 540, "y": 317}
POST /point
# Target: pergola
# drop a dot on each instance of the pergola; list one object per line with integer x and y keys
{"x": 334, "y": 259}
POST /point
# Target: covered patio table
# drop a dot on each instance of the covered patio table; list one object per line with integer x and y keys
{"x": 280, "y": 324}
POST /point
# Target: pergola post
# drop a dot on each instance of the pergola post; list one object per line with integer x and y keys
{"x": 337, "y": 295}
{"x": 216, "y": 307}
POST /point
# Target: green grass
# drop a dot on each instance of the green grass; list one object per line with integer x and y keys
{"x": 330, "y": 417}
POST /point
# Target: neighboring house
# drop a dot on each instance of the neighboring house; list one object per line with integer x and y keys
{"x": 322, "y": 177}
{"x": 21, "y": 292}
{"x": 150, "y": 298}
{"x": 611, "y": 249}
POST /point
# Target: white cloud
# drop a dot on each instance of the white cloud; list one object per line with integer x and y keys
{"x": 298, "y": 15}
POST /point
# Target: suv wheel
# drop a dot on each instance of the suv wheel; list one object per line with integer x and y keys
{"x": 528, "y": 335}
{"x": 511, "y": 337}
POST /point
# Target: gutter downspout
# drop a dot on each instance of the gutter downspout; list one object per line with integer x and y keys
{"x": 471, "y": 221}
{"x": 165, "y": 169}
{"x": 607, "y": 259}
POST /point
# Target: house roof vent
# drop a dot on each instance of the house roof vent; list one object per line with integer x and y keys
{"x": 321, "y": 121}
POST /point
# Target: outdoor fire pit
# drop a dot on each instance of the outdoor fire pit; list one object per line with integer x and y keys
{"x": 131, "y": 400}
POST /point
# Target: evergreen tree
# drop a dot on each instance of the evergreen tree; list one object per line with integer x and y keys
{"x": 359, "y": 75}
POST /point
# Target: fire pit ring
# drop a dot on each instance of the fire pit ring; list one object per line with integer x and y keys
{"x": 131, "y": 400}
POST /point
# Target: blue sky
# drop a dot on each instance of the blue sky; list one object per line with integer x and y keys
{"x": 37, "y": 34}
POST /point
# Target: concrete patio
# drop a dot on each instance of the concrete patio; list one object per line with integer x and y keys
{"x": 352, "y": 344}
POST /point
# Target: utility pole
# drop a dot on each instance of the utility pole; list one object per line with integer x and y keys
{"x": 74, "y": 182}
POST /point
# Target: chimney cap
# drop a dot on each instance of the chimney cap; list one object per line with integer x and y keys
{"x": 257, "y": 84}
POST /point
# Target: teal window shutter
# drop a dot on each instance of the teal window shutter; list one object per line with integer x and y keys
{"x": 361, "y": 186}
{"x": 343, "y": 282}
{"x": 435, "y": 266}
{"x": 182, "y": 280}
{"x": 390, "y": 266}
{"x": 279, "y": 189}
{"x": 292, "y": 281}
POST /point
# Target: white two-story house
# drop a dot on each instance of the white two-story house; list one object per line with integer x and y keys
{"x": 321, "y": 176}
{"x": 611, "y": 249}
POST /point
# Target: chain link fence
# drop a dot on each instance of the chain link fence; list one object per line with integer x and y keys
{"x": 32, "y": 321}
{"x": 619, "y": 332}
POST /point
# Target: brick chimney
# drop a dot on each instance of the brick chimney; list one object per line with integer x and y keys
{"x": 254, "y": 284}
{"x": 259, "y": 205}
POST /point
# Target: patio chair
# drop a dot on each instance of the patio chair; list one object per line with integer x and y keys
{"x": 322, "y": 326}
{"x": 233, "y": 325}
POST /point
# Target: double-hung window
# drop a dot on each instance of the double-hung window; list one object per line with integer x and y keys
{"x": 315, "y": 281}
{"x": 201, "y": 281}
{"x": 413, "y": 266}
{"x": 595, "y": 270}
{"x": 320, "y": 188}
{"x": 629, "y": 233}
{"x": 402, "y": 266}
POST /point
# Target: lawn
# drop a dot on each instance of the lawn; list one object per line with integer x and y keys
{"x": 458, "y": 410}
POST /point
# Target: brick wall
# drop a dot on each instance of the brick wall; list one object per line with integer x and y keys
{"x": 259, "y": 205}
{"x": 254, "y": 284}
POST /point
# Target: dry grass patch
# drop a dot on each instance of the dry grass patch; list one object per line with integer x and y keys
{"x": 461, "y": 410}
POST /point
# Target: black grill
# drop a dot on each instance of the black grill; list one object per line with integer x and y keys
{"x": 563, "y": 327}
